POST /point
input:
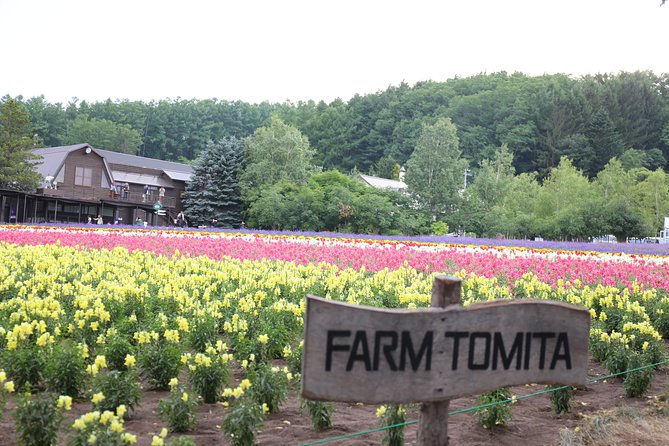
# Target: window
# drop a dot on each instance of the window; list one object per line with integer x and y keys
{"x": 83, "y": 176}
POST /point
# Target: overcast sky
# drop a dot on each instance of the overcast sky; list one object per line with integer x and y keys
{"x": 278, "y": 50}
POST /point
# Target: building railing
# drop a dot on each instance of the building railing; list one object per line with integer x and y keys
{"x": 87, "y": 194}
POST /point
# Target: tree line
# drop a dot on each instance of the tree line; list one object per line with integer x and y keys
{"x": 588, "y": 119}
{"x": 516, "y": 135}
{"x": 270, "y": 180}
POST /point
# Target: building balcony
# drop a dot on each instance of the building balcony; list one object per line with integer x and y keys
{"x": 88, "y": 194}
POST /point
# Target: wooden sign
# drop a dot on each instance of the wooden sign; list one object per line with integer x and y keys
{"x": 372, "y": 355}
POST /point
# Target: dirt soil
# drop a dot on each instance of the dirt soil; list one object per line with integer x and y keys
{"x": 532, "y": 423}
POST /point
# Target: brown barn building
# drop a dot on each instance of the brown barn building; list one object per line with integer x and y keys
{"x": 80, "y": 181}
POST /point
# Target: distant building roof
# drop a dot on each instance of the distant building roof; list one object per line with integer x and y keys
{"x": 54, "y": 157}
{"x": 384, "y": 183}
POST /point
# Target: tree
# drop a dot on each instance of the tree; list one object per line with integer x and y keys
{"x": 563, "y": 202}
{"x": 212, "y": 194}
{"x": 489, "y": 189}
{"x": 435, "y": 169}
{"x": 103, "y": 134}
{"x": 274, "y": 153}
{"x": 17, "y": 162}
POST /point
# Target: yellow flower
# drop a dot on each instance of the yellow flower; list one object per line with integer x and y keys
{"x": 98, "y": 398}
{"x": 121, "y": 410}
{"x": 263, "y": 339}
{"x": 184, "y": 396}
{"x": 100, "y": 362}
{"x": 116, "y": 426}
{"x": 163, "y": 432}
{"x": 245, "y": 384}
{"x": 173, "y": 382}
{"x": 92, "y": 439}
{"x": 129, "y": 438}
{"x": 9, "y": 386}
{"x": 64, "y": 402}
{"x": 265, "y": 409}
{"x": 130, "y": 361}
{"x": 3, "y": 376}
{"x": 157, "y": 441}
{"x": 381, "y": 411}
{"x": 79, "y": 424}
{"x": 106, "y": 417}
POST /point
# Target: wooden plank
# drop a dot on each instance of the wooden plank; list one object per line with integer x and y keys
{"x": 433, "y": 417}
{"x": 372, "y": 355}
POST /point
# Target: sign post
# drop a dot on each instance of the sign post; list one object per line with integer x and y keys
{"x": 433, "y": 418}
{"x": 372, "y": 355}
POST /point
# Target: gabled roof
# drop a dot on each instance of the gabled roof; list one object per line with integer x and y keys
{"x": 383, "y": 183}
{"x": 54, "y": 157}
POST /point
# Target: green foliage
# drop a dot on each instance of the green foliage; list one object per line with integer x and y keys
{"x": 212, "y": 194}
{"x": 16, "y": 141}
{"x": 37, "y": 420}
{"x": 391, "y": 415}
{"x": 103, "y": 134}
{"x": 24, "y": 365}
{"x": 160, "y": 362}
{"x": 275, "y": 152}
{"x": 208, "y": 373}
{"x": 496, "y": 415}
{"x": 118, "y": 388}
{"x": 439, "y": 228}
{"x": 269, "y": 386}
{"x": 178, "y": 410}
{"x": 115, "y": 350}
{"x": 104, "y": 428}
{"x": 181, "y": 441}
{"x": 65, "y": 369}
{"x": 332, "y": 201}
{"x": 638, "y": 382}
{"x": 241, "y": 423}
{"x": 561, "y": 398}
{"x": 203, "y": 333}
{"x": 320, "y": 413}
{"x": 436, "y": 169}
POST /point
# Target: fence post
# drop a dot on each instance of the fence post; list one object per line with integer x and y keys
{"x": 433, "y": 419}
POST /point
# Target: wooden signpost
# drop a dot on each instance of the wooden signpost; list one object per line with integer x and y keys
{"x": 372, "y": 355}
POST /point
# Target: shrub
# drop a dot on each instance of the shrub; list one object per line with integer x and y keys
{"x": 178, "y": 411}
{"x": 269, "y": 386}
{"x": 116, "y": 348}
{"x": 115, "y": 388}
{"x": 6, "y": 387}
{"x": 389, "y": 416}
{"x": 208, "y": 374}
{"x": 638, "y": 382}
{"x": 64, "y": 372}
{"x": 203, "y": 333}
{"x": 561, "y": 398}
{"x": 38, "y": 419}
{"x": 242, "y": 421}
{"x": 24, "y": 366}
{"x": 495, "y": 414}
{"x": 160, "y": 362}
{"x": 104, "y": 428}
{"x": 320, "y": 413}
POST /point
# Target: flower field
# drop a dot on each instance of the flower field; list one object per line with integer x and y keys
{"x": 214, "y": 317}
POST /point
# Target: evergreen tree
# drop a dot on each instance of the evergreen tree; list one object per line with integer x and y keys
{"x": 17, "y": 162}
{"x": 212, "y": 194}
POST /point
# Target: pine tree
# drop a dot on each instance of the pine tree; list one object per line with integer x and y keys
{"x": 212, "y": 194}
{"x": 17, "y": 169}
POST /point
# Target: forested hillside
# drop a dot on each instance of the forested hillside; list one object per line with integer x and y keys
{"x": 540, "y": 119}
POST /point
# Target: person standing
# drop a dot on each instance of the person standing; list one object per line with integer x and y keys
{"x": 145, "y": 194}
{"x": 161, "y": 194}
